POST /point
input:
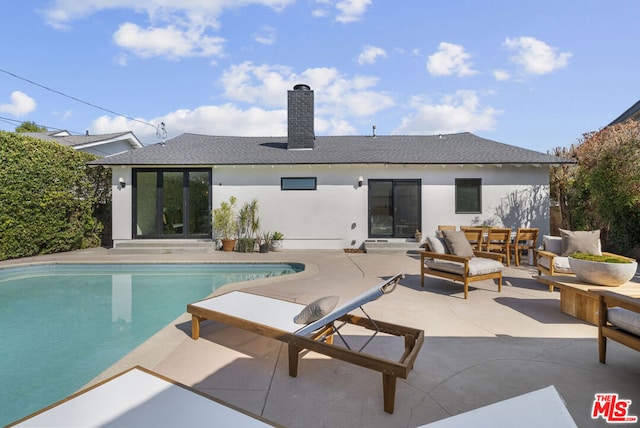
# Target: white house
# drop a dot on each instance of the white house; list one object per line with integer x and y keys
{"x": 328, "y": 192}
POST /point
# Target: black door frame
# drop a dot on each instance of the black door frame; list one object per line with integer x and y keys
{"x": 159, "y": 234}
{"x": 394, "y": 207}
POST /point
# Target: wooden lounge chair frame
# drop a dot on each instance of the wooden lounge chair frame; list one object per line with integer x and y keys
{"x": 318, "y": 336}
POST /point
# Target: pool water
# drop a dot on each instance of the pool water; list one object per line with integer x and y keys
{"x": 62, "y": 325}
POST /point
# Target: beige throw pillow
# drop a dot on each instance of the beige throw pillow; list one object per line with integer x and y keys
{"x": 587, "y": 241}
{"x": 316, "y": 310}
{"x": 458, "y": 243}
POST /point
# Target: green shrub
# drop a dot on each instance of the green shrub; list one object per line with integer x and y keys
{"x": 48, "y": 196}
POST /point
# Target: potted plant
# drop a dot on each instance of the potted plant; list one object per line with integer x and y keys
{"x": 248, "y": 225}
{"x": 276, "y": 241}
{"x": 225, "y": 223}
{"x": 608, "y": 269}
{"x": 265, "y": 242}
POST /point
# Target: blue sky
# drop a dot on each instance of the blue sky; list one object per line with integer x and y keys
{"x": 535, "y": 74}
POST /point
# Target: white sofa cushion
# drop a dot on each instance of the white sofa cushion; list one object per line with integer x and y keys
{"x": 437, "y": 245}
{"x": 477, "y": 266}
{"x": 553, "y": 244}
{"x": 560, "y": 264}
{"x": 624, "y": 319}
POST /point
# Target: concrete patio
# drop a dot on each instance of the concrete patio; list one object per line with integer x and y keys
{"x": 479, "y": 351}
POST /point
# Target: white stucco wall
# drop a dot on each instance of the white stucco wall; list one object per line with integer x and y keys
{"x": 335, "y": 215}
{"x": 122, "y": 204}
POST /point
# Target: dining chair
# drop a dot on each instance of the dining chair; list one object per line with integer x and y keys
{"x": 475, "y": 236}
{"x": 499, "y": 241}
{"x": 525, "y": 240}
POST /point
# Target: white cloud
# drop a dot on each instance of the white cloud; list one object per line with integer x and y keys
{"x": 226, "y": 119}
{"x": 266, "y": 36}
{"x": 335, "y": 94}
{"x": 535, "y": 56}
{"x": 339, "y": 101}
{"x": 170, "y": 41}
{"x": 501, "y": 75}
{"x": 450, "y": 59}
{"x": 351, "y": 10}
{"x": 20, "y": 105}
{"x": 370, "y": 55}
{"x": 176, "y": 28}
{"x": 460, "y": 112}
{"x": 347, "y": 10}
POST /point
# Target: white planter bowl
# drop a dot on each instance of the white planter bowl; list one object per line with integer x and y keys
{"x": 603, "y": 273}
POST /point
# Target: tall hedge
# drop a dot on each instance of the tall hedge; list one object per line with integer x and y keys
{"x": 48, "y": 197}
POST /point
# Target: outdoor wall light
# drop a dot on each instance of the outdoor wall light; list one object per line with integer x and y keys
{"x": 360, "y": 181}
{"x": 122, "y": 183}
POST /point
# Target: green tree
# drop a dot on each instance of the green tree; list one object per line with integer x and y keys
{"x": 603, "y": 192}
{"x": 48, "y": 197}
{"x": 30, "y": 126}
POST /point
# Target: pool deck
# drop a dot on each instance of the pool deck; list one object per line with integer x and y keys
{"x": 479, "y": 351}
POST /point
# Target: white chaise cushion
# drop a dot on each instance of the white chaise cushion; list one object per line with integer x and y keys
{"x": 624, "y": 319}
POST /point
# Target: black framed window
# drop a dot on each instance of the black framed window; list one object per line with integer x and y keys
{"x": 298, "y": 183}
{"x": 468, "y": 196}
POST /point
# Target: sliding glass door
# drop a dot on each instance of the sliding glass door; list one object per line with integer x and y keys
{"x": 171, "y": 203}
{"x": 394, "y": 208}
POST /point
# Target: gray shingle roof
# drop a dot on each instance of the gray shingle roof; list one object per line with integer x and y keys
{"x": 462, "y": 148}
{"x": 633, "y": 111}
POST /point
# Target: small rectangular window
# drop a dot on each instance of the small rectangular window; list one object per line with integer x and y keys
{"x": 298, "y": 183}
{"x": 468, "y": 196}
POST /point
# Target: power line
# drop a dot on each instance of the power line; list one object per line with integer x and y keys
{"x": 20, "y": 122}
{"x": 78, "y": 100}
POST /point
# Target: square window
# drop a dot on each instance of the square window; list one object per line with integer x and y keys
{"x": 468, "y": 196}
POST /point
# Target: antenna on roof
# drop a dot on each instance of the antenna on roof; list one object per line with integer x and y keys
{"x": 374, "y": 131}
{"x": 161, "y": 132}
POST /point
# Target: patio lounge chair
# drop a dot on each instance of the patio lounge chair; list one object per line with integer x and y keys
{"x": 274, "y": 318}
{"x": 619, "y": 320}
{"x": 139, "y": 397}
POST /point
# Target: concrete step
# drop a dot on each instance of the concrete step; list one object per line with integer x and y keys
{"x": 163, "y": 246}
{"x": 391, "y": 246}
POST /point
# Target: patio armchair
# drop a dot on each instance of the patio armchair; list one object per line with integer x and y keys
{"x": 452, "y": 257}
{"x": 619, "y": 320}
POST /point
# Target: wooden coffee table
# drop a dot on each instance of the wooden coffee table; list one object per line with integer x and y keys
{"x": 577, "y": 300}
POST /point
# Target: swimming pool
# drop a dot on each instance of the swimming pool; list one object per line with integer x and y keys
{"x": 62, "y": 325}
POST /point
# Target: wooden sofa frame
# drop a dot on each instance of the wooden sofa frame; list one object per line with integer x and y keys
{"x": 608, "y": 299}
{"x": 464, "y": 278}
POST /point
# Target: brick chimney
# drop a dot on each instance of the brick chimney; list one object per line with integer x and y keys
{"x": 300, "y": 133}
